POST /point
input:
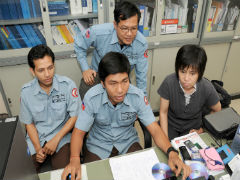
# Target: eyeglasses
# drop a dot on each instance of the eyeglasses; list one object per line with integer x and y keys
{"x": 126, "y": 29}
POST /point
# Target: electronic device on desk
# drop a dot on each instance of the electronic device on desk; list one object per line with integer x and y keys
{"x": 15, "y": 163}
{"x": 191, "y": 146}
{"x": 233, "y": 165}
{"x": 184, "y": 152}
{"x": 235, "y": 146}
{"x": 225, "y": 153}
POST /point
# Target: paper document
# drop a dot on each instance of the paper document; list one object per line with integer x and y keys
{"x": 194, "y": 137}
{"x": 56, "y": 174}
{"x": 137, "y": 166}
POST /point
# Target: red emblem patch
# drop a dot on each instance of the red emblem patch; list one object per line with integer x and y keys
{"x": 75, "y": 92}
{"x": 87, "y": 34}
{"x": 145, "y": 100}
{"x": 146, "y": 54}
{"x": 83, "y": 106}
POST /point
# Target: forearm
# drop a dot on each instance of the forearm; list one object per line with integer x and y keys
{"x": 159, "y": 137}
{"x": 66, "y": 128}
{"x": 33, "y": 134}
{"x": 81, "y": 51}
{"x": 164, "y": 122}
{"x": 76, "y": 142}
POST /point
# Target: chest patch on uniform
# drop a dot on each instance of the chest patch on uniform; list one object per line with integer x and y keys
{"x": 58, "y": 98}
{"x": 128, "y": 115}
{"x": 145, "y": 100}
{"x": 146, "y": 54}
{"x": 87, "y": 34}
{"x": 75, "y": 92}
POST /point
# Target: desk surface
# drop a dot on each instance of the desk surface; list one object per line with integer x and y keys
{"x": 101, "y": 169}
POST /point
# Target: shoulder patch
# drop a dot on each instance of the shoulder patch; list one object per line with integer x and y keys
{"x": 146, "y": 100}
{"x": 83, "y": 106}
{"x": 74, "y": 92}
{"x": 146, "y": 54}
{"x": 87, "y": 34}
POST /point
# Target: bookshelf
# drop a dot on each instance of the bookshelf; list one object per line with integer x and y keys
{"x": 48, "y": 22}
{"x": 221, "y": 17}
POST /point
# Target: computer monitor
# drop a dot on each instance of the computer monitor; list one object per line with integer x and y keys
{"x": 15, "y": 162}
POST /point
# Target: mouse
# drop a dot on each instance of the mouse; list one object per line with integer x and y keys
{"x": 68, "y": 176}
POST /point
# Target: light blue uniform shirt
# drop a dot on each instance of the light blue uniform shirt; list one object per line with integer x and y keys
{"x": 104, "y": 38}
{"x": 112, "y": 126}
{"x": 49, "y": 113}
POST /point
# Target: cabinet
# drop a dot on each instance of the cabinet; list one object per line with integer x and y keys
{"x": 220, "y": 20}
{"x": 167, "y": 21}
{"x": 166, "y": 24}
{"x": 54, "y": 23}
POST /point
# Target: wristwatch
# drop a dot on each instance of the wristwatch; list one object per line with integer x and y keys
{"x": 171, "y": 149}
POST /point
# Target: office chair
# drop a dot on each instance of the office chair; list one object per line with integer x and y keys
{"x": 146, "y": 134}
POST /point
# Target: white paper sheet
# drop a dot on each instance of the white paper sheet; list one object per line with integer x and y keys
{"x": 136, "y": 166}
{"x": 56, "y": 174}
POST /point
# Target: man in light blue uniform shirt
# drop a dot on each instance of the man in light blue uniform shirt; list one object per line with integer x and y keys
{"x": 108, "y": 112}
{"x": 121, "y": 36}
{"x": 49, "y": 109}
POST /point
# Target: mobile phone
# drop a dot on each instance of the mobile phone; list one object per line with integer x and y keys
{"x": 191, "y": 146}
{"x": 198, "y": 146}
{"x": 184, "y": 153}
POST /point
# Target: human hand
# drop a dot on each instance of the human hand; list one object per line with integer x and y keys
{"x": 177, "y": 165}
{"x": 40, "y": 155}
{"x": 88, "y": 76}
{"x": 199, "y": 131}
{"x": 73, "y": 168}
{"x": 51, "y": 146}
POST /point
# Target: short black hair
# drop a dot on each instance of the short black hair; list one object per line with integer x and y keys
{"x": 38, "y": 52}
{"x": 191, "y": 55}
{"x": 124, "y": 10}
{"x": 113, "y": 63}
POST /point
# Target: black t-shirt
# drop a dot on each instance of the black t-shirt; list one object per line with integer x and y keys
{"x": 185, "y": 117}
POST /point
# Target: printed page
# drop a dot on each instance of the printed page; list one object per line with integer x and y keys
{"x": 137, "y": 166}
{"x": 194, "y": 137}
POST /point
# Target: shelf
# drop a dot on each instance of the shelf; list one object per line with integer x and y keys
{"x": 20, "y": 21}
{"x": 71, "y": 17}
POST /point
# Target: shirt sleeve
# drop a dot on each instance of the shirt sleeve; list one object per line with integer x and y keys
{"x": 85, "y": 117}
{"x": 145, "y": 113}
{"x": 82, "y": 42}
{"x": 74, "y": 101}
{"x": 163, "y": 90}
{"x": 212, "y": 97}
{"x": 25, "y": 113}
{"x": 141, "y": 69}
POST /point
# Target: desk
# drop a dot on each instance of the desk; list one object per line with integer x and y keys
{"x": 101, "y": 169}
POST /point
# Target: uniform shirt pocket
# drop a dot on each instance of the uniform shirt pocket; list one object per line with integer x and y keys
{"x": 38, "y": 113}
{"x": 127, "y": 118}
{"x": 102, "y": 120}
{"x": 132, "y": 58}
{"x": 59, "y": 110}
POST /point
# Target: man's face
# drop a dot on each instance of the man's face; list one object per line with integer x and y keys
{"x": 44, "y": 71}
{"x": 127, "y": 30}
{"x": 188, "y": 77}
{"x": 116, "y": 86}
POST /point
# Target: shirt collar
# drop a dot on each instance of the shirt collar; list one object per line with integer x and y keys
{"x": 106, "y": 100}
{"x": 105, "y": 97}
{"x": 195, "y": 88}
{"x": 38, "y": 89}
